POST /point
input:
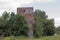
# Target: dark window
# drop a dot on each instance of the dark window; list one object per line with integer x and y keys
{"x": 24, "y": 11}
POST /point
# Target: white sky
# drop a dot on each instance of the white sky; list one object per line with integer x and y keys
{"x": 48, "y": 6}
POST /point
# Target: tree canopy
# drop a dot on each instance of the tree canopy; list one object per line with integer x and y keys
{"x": 43, "y": 26}
{"x": 15, "y": 24}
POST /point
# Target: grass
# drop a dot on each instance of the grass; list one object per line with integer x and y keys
{"x": 56, "y": 37}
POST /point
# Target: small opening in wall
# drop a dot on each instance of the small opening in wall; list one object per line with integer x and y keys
{"x": 24, "y": 11}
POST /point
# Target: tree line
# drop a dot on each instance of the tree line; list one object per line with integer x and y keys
{"x": 15, "y": 24}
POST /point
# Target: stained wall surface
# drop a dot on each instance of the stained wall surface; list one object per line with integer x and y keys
{"x": 27, "y": 12}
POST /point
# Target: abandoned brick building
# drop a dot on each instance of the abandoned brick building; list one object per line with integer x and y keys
{"x": 27, "y": 12}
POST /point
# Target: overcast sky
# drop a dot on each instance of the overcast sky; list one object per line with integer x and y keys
{"x": 51, "y": 7}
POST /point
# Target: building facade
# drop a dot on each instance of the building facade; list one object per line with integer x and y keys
{"x": 27, "y": 12}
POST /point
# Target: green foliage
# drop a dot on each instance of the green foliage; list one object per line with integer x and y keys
{"x": 42, "y": 25}
{"x": 38, "y": 27}
{"x": 57, "y": 37}
{"x": 48, "y": 26}
{"x": 41, "y": 14}
{"x": 57, "y": 30}
{"x": 5, "y": 15}
{"x": 13, "y": 24}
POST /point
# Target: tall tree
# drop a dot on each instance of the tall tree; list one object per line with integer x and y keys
{"x": 43, "y": 26}
{"x": 5, "y": 15}
{"x": 49, "y": 27}
{"x": 40, "y": 13}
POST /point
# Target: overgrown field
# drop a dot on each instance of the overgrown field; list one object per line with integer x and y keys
{"x": 56, "y": 37}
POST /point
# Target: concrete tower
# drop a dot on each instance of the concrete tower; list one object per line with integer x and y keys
{"x": 27, "y": 12}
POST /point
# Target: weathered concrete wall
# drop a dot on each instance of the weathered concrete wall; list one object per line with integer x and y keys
{"x": 27, "y": 12}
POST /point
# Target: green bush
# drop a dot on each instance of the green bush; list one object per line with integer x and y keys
{"x": 13, "y": 24}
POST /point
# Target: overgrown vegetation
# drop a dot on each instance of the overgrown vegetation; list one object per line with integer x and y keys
{"x": 43, "y": 26}
{"x": 57, "y": 37}
{"x": 57, "y": 30}
{"x": 12, "y": 24}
